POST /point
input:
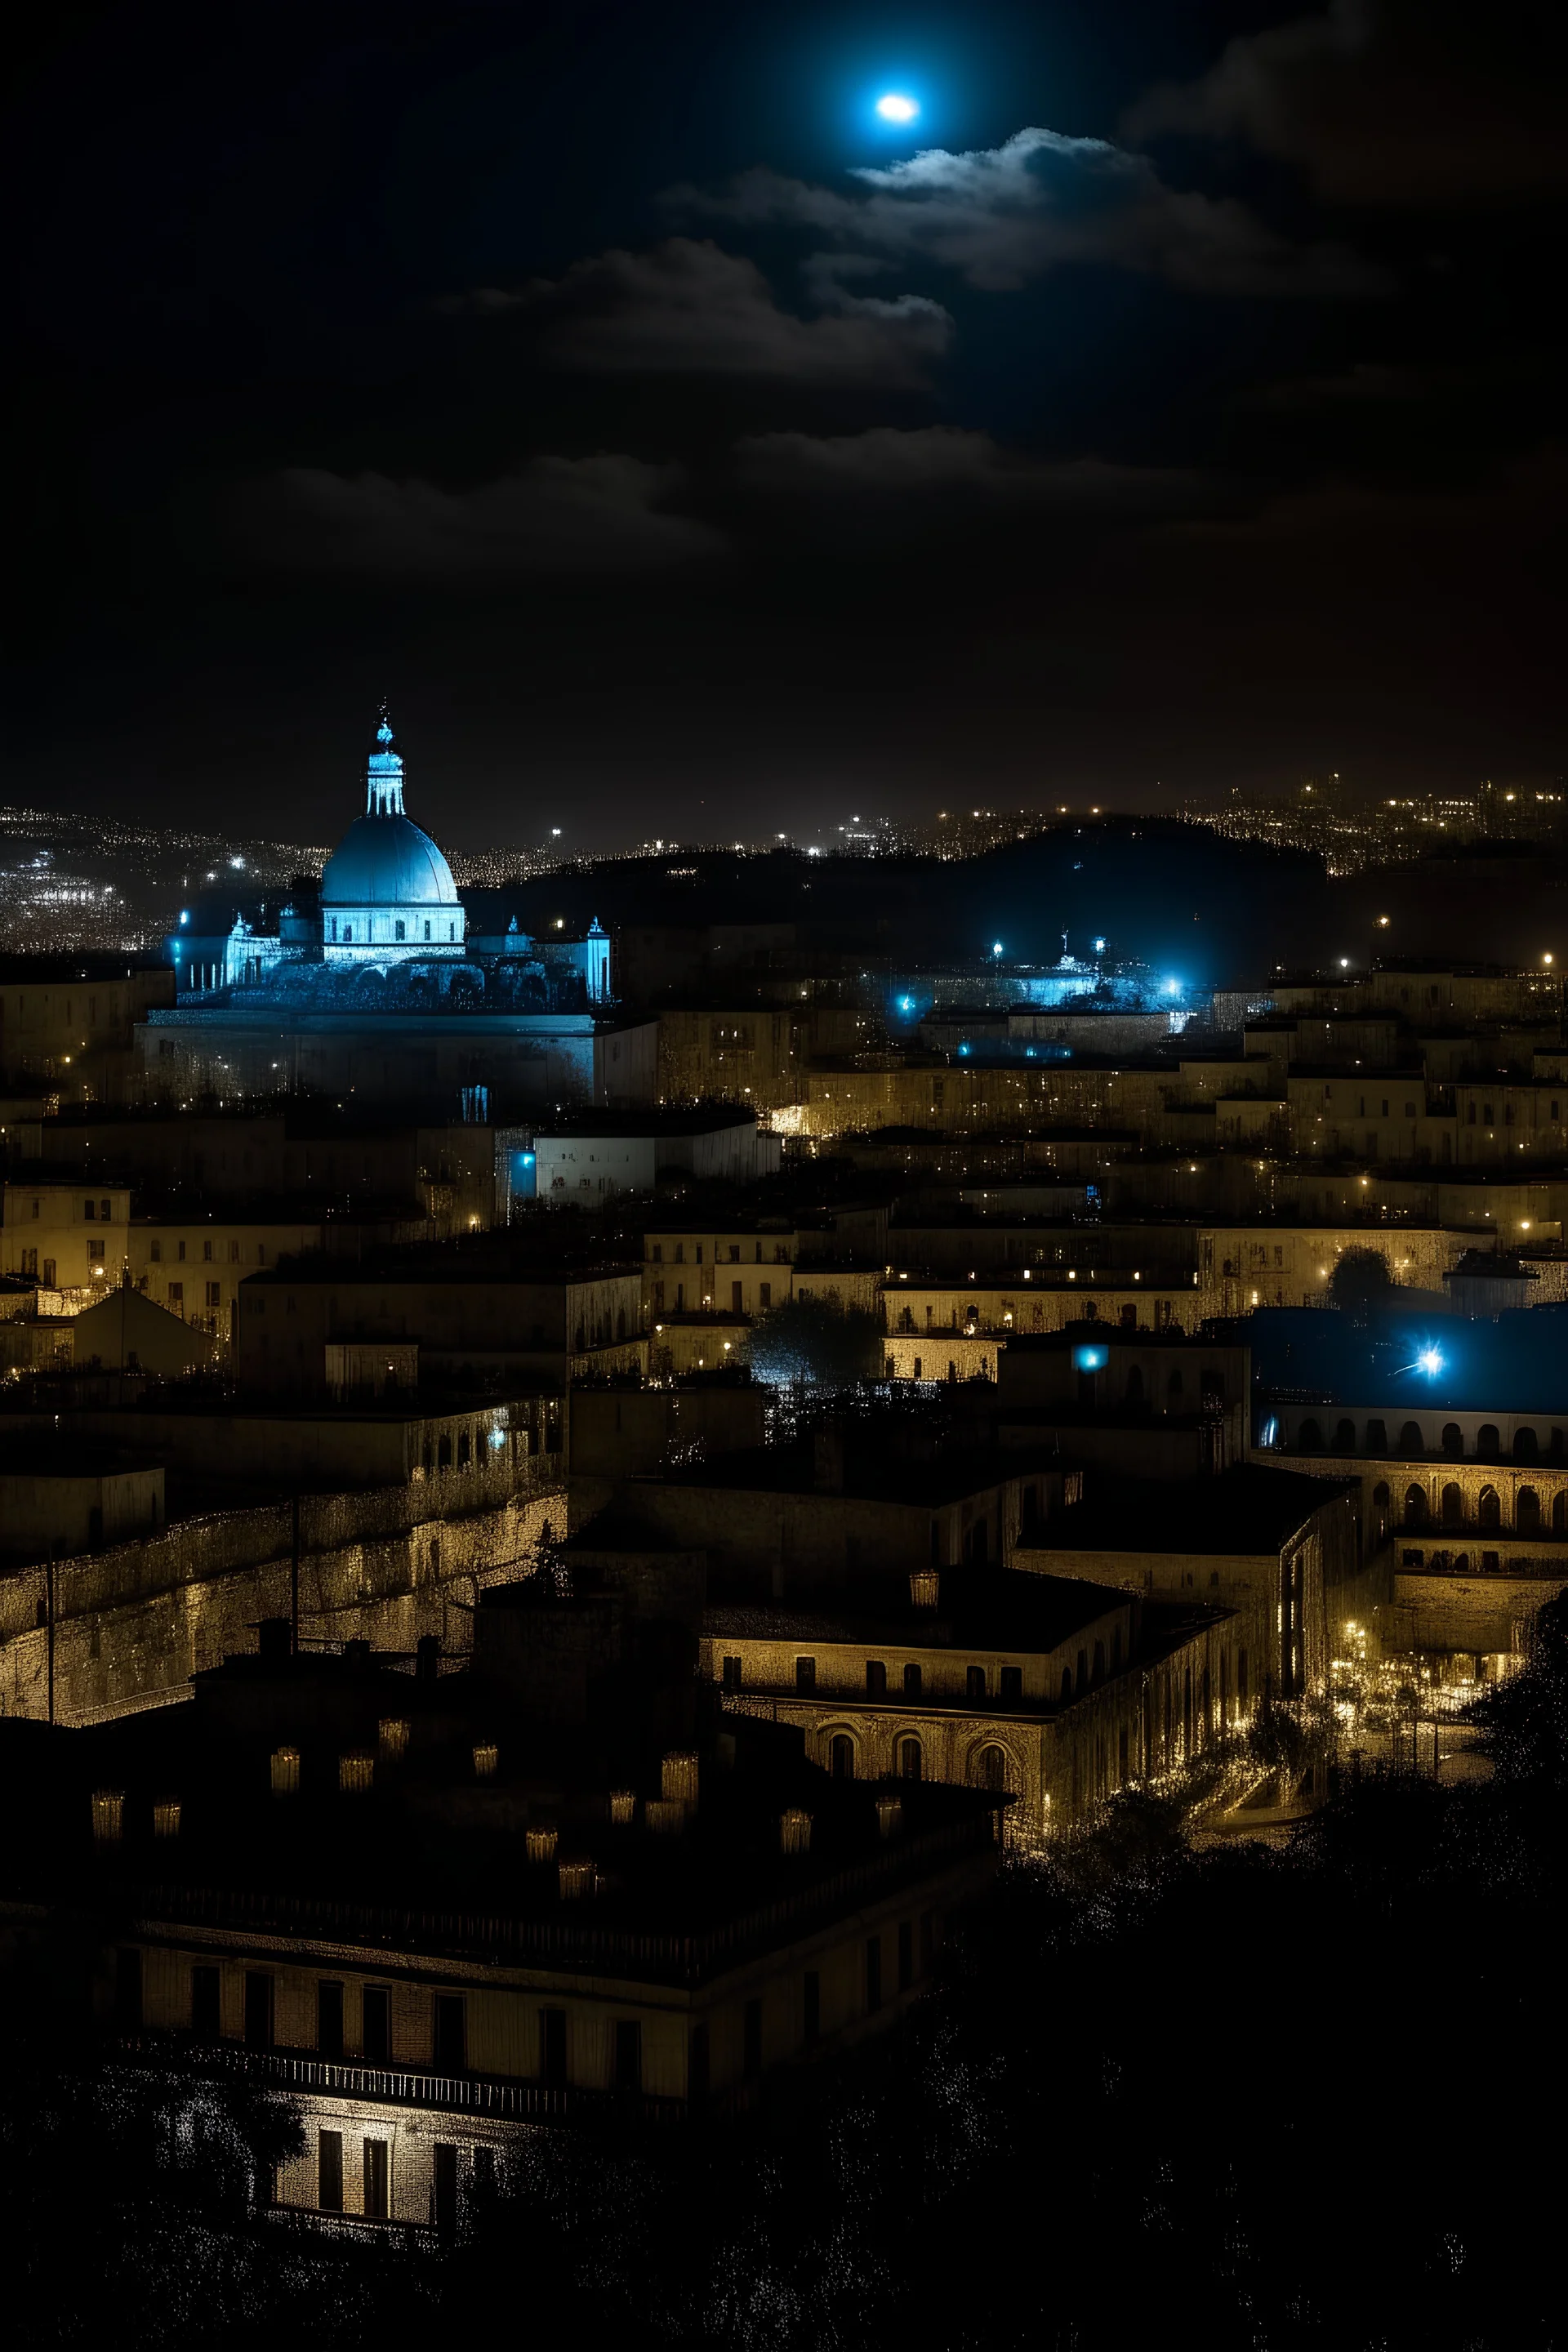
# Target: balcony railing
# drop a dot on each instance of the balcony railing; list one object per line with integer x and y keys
{"x": 504, "y": 2100}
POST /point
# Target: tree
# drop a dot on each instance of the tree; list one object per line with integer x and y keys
{"x": 1360, "y": 1284}
{"x": 809, "y": 1339}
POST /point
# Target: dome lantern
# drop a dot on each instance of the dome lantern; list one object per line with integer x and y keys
{"x": 383, "y": 780}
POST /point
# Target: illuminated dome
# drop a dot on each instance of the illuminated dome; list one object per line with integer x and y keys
{"x": 387, "y": 888}
{"x": 386, "y": 861}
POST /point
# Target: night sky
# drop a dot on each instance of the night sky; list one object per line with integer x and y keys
{"x": 685, "y": 452}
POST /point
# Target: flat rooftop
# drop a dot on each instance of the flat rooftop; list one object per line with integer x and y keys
{"x": 1245, "y": 1510}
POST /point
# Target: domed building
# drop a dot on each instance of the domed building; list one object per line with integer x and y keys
{"x": 387, "y": 893}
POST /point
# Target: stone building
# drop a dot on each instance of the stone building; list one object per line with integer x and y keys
{"x": 473, "y": 1314}
{"x": 455, "y": 1912}
{"x": 1053, "y": 1689}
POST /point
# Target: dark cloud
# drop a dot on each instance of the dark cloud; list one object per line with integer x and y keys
{"x": 1415, "y": 102}
{"x": 911, "y": 470}
{"x": 688, "y": 307}
{"x": 608, "y": 513}
{"x": 1004, "y": 216}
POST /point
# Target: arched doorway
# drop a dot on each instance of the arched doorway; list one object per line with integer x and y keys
{"x": 841, "y": 1756}
{"x": 1527, "y": 1511}
{"x": 1453, "y": 1505}
{"x": 911, "y": 1763}
{"x": 988, "y": 1769}
{"x": 1416, "y": 1507}
{"x": 1489, "y": 1511}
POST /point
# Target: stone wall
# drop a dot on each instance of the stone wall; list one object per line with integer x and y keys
{"x": 132, "y": 1623}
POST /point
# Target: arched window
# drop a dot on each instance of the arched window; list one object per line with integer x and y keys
{"x": 443, "y": 1453}
{"x": 1345, "y": 1437}
{"x": 1453, "y": 1439}
{"x": 1525, "y": 1448}
{"x": 465, "y": 1450}
{"x": 1309, "y": 1437}
{"x": 1411, "y": 1442}
{"x": 1416, "y": 1507}
{"x": 1559, "y": 1512}
{"x": 910, "y": 1761}
{"x": 1380, "y": 1502}
{"x": 988, "y": 1769}
{"x": 1453, "y": 1505}
{"x": 1490, "y": 1509}
{"x": 1527, "y": 1511}
{"x": 1488, "y": 1444}
{"x": 841, "y": 1756}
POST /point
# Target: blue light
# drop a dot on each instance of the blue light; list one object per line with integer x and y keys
{"x": 1099, "y": 946}
{"x": 184, "y": 917}
{"x": 1270, "y": 1432}
{"x": 1172, "y": 988}
{"x": 964, "y": 1049}
{"x": 528, "y": 1159}
{"x": 1091, "y": 1360}
{"x": 906, "y": 1004}
{"x": 896, "y": 107}
{"x": 995, "y": 947}
{"x": 497, "y": 1440}
{"x": 1430, "y": 1361}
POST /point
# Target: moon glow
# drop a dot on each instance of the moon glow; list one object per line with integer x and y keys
{"x": 895, "y": 108}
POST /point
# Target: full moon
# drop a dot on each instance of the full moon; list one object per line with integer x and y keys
{"x": 894, "y": 108}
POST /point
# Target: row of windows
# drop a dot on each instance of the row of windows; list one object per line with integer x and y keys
{"x": 449, "y": 2018}
{"x": 987, "y": 1767}
{"x": 1529, "y": 1519}
{"x": 1411, "y": 1442}
{"x": 399, "y": 932}
{"x": 975, "y": 1678}
{"x": 211, "y": 1249}
{"x": 678, "y": 1254}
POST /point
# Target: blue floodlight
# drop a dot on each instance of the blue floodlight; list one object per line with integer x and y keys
{"x": 906, "y": 1004}
{"x": 1430, "y": 1361}
{"x": 1099, "y": 946}
{"x": 1172, "y": 988}
{"x": 1091, "y": 1360}
{"x": 995, "y": 947}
